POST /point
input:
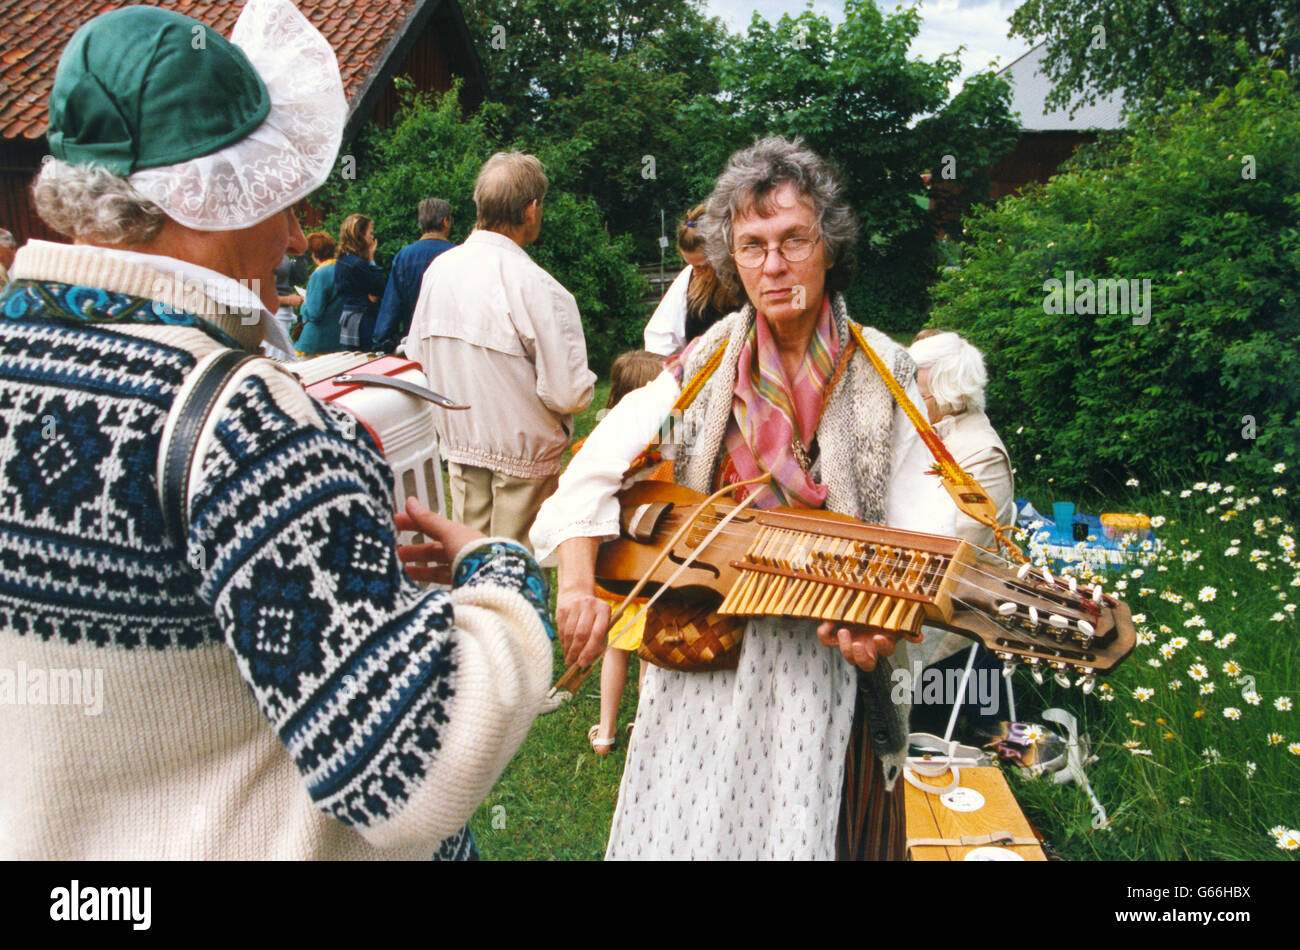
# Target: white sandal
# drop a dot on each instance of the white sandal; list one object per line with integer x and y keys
{"x": 600, "y": 746}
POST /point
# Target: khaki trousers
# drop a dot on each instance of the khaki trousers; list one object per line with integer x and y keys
{"x": 501, "y": 506}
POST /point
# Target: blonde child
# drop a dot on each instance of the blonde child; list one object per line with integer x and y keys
{"x": 630, "y": 371}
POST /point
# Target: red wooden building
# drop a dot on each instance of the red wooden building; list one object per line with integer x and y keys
{"x": 375, "y": 41}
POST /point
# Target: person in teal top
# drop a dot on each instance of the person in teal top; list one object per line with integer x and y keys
{"x": 323, "y": 306}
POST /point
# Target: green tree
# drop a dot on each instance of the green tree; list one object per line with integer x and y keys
{"x": 615, "y": 86}
{"x": 1153, "y": 49}
{"x": 1204, "y": 203}
{"x": 854, "y": 95}
{"x": 432, "y": 149}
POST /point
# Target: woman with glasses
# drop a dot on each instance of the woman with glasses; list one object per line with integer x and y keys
{"x": 775, "y": 758}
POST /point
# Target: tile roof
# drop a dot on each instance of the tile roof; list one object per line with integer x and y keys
{"x": 1029, "y": 89}
{"x": 34, "y": 32}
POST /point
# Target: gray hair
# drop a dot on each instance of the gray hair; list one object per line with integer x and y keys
{"x": 750, "y": 178}
{"x": 957, "y": 374}
{"x": 432, "y": 212}
{"x": 7, "y": 239}
{"x": 88, "y": 202}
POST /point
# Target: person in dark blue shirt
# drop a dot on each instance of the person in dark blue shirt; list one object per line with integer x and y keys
{"x": 359, "y": 282}
{"x": 408, "y": 271}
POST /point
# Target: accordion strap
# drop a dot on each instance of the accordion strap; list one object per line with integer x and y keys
{"x": 189, "y": 414}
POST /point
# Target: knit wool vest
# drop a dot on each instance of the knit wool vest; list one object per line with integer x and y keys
{"x": 856, "y": 430}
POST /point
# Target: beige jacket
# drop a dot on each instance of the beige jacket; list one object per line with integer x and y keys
{"x": 496, "y": 331}
{"x": 978, "y": 449}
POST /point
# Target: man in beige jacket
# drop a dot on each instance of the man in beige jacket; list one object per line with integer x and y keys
{"x": 493, "y": 329}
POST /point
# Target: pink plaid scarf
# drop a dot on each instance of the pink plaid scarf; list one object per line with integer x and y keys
{"x": 768, "y": 409}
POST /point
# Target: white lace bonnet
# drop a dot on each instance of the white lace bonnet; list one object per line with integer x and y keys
{"x": 285, "y": 158}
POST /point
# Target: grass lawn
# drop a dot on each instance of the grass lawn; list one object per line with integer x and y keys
{"x": 1197, "y": 734}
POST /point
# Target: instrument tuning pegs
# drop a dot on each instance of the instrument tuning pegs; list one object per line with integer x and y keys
{"x": 1087, "y": 683}
{"x": 1023, "y": 570}
{"x": 1057, "y": 621}
{"x": 1035, "y": 670}
{"x": 1047, "y": 576}
{"x": 1087, "y": 629}
{"x": 1008, "y": 666}
{"x": 1096, "y": 594}
{"x": 1074, "y": 585}
{"x": 1033, "y": 616}
{"x": 1062, "y": 680}
{"x": 1007, "y": 609}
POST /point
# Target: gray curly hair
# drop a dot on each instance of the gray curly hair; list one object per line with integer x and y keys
{"x": 749, "y": 180}
{"x": 90, "y": 203}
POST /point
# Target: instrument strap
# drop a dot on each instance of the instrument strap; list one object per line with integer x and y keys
{"x": 966, "y": 492}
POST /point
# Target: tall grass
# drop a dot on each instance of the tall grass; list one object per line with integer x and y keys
{"x": 1198, "y": 733}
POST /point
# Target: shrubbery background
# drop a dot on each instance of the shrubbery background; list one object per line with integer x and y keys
{"x": 1205, "y": 202}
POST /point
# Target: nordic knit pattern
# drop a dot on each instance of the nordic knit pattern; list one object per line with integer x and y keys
{"x": 398, "y": 705}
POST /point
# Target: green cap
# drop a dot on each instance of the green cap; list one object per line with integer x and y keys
{"x": 142, "y": 87}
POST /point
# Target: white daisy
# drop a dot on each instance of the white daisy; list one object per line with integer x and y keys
{"x": 1288, "y": 839}
{"x": 1143, "y": 693}
{"x": 1282, "y": 704}
{"x": 1207, "y": 594}
{"x": 1231, "y": 712}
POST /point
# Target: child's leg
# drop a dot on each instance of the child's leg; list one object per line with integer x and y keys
{"x": 613, "y": 677}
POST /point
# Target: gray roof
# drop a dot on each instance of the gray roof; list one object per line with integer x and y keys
{"x": 1029, "y": 89}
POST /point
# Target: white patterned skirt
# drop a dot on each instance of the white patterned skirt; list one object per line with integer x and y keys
{"x": 740, "y": 765}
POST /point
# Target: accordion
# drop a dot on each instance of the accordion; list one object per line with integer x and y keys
{"x": 388, "y": 395}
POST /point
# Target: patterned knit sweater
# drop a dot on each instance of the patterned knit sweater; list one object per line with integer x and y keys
{"x": 281, "y": 689}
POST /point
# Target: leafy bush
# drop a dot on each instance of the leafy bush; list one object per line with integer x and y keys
{"x": 1205, "y": 204}
{"x": 432, "y": 150}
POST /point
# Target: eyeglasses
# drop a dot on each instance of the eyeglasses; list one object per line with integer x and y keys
{"x": 793, "y": 249}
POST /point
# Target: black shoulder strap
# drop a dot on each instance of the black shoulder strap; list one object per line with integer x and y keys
{"x": 177, "y": 451}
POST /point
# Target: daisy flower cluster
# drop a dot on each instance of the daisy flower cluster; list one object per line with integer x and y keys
{"x": 1208, "y": 698}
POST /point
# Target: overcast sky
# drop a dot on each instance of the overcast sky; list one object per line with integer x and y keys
{"x": 945, "y": 24}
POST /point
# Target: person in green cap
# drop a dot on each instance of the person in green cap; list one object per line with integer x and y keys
{"x": 264, "y": 679}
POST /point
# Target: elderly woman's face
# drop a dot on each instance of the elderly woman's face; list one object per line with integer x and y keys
{"x": 782, "y": 291}
{"x": 927, "y": 396}
{"x": 255, "y": 252}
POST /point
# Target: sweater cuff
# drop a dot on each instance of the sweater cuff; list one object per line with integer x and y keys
{"x": 504, "y": 562}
